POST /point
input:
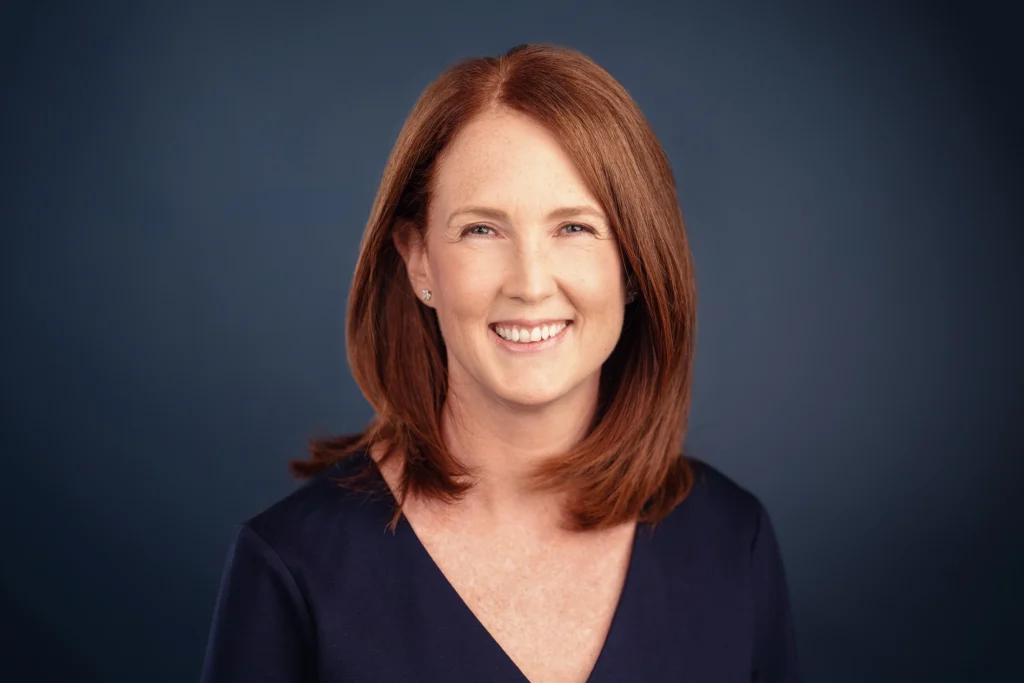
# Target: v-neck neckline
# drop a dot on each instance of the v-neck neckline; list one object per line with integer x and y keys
{"x": 615, "y": 626}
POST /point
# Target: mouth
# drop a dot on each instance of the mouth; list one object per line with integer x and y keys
{"x": 516, "y": 337}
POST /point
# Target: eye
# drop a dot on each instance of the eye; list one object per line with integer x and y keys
{"x": 576, "y": 228}
{"x": 478, "y": 231}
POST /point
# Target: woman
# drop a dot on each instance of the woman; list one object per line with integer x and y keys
{"x": 522, "y": 319}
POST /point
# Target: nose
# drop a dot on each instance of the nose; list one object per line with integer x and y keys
{"x": 529, "y": 276}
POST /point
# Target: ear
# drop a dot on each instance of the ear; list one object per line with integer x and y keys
{"x": 410, "y": 243}
{"x": 629, "y": 286}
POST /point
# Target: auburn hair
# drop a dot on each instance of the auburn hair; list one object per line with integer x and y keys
{"x": 630, "y": 464}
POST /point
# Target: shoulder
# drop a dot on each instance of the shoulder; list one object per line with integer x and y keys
{"x": 719, "y": 549}
{"x": 717, "y": 510}
{"x": 322, "y": 513}
{"x": 722, "y": 495}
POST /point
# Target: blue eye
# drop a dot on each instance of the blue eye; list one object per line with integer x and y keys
{"x": 575, "y": 228}
{"x": 476, "y": 230}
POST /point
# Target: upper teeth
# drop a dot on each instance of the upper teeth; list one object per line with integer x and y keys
{"x": 524, "y": 334}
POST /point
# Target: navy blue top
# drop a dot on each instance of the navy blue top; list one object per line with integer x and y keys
{"x": 316, "y": 589}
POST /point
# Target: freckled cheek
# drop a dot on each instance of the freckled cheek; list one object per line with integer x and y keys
{"x": 468, "y": 288}
{"x": 596, "y": 283}
{"x": 597, "y": 294}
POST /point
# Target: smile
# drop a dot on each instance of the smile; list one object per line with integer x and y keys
{"x": 523, "y": 338}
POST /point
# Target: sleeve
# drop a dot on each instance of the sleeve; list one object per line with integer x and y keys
{"x": 261, "y": 628}
{"x": 775, "y": 658}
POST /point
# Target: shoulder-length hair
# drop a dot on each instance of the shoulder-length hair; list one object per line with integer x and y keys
{"x": 630, "y": 464}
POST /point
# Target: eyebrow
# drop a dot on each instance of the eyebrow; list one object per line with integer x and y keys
{"x": 498, "y": 214}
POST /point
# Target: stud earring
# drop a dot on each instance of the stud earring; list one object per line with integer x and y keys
{"x": 631, "y": 296}
{"x": 426, "y": 295}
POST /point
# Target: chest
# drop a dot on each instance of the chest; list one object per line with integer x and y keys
{"x": 548, "y": 606}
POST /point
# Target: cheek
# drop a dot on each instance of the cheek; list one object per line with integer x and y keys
{"x": 596, "y": 279}
{"x": 468, "y": 281}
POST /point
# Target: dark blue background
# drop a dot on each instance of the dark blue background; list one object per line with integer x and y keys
{"x": 184, "y": 189}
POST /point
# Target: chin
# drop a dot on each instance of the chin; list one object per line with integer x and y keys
{"x": 530, "y": 396}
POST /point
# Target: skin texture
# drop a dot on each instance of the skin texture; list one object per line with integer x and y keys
{"x": 506, "y": 410}
{"x": 546, "y": 595}
{"x": 482, "y": 268}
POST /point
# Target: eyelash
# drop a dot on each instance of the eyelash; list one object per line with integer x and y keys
{"x": 585, "y": 228}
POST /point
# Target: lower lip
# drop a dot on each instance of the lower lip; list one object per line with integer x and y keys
{"x": 529, "y": 347}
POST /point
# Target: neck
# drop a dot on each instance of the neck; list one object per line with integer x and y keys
{"x": 502, "y": 443}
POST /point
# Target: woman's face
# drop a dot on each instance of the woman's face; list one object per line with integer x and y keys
{"x": 522, "y": 264}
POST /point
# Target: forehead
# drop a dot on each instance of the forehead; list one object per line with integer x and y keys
{"x": 508, "y": 160}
